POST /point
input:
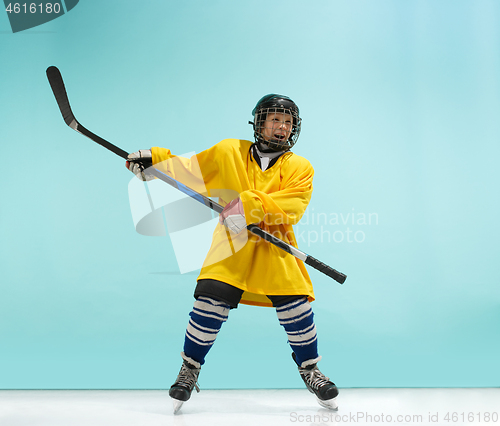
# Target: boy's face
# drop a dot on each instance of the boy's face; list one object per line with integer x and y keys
{"x": 277, "y": 126}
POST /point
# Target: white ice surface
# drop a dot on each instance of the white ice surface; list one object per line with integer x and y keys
{"x": 246, "y": 407}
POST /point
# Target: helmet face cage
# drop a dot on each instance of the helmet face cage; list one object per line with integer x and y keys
{"x": 276, "y": 122}
{"x": 282, "y": 125}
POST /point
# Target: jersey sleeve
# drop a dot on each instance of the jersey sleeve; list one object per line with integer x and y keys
{"x": 198, "y": 172}
{"x": 285, "y": 206}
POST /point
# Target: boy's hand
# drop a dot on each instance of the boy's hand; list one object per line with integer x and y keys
{"x": 233, "y": 216}
{"x": 139, "y": 161}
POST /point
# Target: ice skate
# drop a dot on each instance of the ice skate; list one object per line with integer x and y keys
{"x": 186, "y": 381}
{"x": 317, "y": 383}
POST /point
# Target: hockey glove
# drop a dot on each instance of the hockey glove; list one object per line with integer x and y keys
{"x": 233, "y": 216}
{"x": 139, "y": 161}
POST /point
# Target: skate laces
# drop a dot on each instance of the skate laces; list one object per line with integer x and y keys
{"x": 315, "y": 378}
{"x": 188, "y": 378}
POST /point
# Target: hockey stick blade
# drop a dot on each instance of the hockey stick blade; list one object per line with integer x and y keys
{"x": 57, "y": 84}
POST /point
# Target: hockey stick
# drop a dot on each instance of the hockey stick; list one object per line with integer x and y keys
{"x": 57, "y": 85}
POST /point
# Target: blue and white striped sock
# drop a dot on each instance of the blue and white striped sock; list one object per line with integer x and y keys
{"x": 297, "y": 319}
{"x": 206, "y": 320}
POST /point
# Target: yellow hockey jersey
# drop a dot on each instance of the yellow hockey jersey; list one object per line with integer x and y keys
{"x": 275, "y": 198}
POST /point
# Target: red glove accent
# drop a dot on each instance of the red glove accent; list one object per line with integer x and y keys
{"x": 233, "y": 208}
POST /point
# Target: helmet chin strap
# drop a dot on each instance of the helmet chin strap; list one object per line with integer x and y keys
{"x": 264, "y": 147}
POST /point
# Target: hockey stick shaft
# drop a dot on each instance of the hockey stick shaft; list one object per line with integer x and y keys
{"x": 59, "y": 90}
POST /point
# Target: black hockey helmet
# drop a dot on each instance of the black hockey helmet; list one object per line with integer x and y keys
{"x": 270, "y": 104}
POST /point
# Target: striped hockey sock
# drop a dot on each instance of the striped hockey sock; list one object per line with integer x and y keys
{"x": 297, "y": 319}
{"x": 206, "y": 320}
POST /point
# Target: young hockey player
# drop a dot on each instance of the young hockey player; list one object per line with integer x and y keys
{"x": 273, "y": 187}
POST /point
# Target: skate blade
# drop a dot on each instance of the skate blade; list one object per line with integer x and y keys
{"x": 177, "y": 404}
{"x": 330, "y": 404}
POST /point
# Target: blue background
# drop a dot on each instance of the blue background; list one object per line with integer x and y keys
{"x": 400, "y": 103}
